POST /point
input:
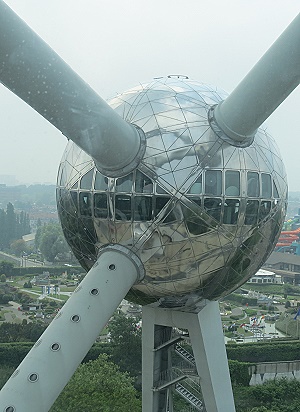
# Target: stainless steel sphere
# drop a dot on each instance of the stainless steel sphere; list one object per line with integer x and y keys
{"x": 201, "y": 214}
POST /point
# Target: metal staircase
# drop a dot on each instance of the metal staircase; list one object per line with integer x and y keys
{"x": 190, "y": 388}
{"x": 182, "y": 377}
{"x": 187, "y": 356}
{"x": 189, "y": 397}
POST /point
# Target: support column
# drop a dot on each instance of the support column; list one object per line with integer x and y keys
{"x": 205, "y": 331}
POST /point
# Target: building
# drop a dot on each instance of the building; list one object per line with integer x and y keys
{"x": 265, "y": 277}
{"x": 286, "y": 265}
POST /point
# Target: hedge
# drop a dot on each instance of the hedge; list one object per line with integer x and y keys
{"x": 12, "y": 354}
{"x": 241, "y": 299}
{"x": 264, "y": 351}
{"x": 53, "y": 270}
{"x": 239, "y": 373}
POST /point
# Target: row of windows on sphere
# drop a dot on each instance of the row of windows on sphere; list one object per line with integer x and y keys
{"x": 210, "y": 182}
{"x": 122, "y": 207}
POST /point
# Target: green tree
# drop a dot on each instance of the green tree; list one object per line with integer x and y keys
{"x": 10, "y": 226}
{"x": 51, "y": 242}
{"x": 98, "y": 386}
{"x": 6, "y": 267}
{"x": 278, "y": 395}
{"x": 18, "y": 246}
{"x": 2, "y": 278}
{"x": 126, "y": 341}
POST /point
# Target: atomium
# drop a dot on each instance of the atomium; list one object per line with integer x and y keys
{"x": 202, "y": 214}
{"x": 173, "y": 194}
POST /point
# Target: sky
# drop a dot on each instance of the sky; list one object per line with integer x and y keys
{"x": 116, "y": 44}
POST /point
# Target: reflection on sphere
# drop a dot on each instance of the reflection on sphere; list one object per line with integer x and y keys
{"x": 202, "y": 215}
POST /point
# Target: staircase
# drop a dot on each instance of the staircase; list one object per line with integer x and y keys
{"x": 189, "y": 397}
{"x": 185, "y": 354}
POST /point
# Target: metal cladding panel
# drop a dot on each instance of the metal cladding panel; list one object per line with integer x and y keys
{"x": 202, "y": 215}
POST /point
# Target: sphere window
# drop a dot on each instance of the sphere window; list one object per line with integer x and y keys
{"x": 142, "y": 208}
{"x": 100, "y": 205}
{"x": 10, "y": 409}
{"x": 123, "y": 207}
{"x": 213, "y": 207}
{"x": 86, "y": 180}
{"x": 196, "y": 188}
{"x": 232, "y": 183}
{"x": 62, "y": 178}
{"x": 275, "y": 191}
{"x": 195, "y": 199}
{"x": 160, "y": 203}
{"x": 101, "y": 182}
{"x": 195, "y": 224}
{"x": 124, "y": 184}
{"x": 74, "y": 197}
{"x": 142, "y": 183}
{"x": 85, "y": 204}
{"x": 251, "y": 212}
{"x": 160, "y": 190}
{"x": 264, "y": 209}
{"x": 252, "y": 184}
{"x": 213, "y": 182}
{"x": 266, "y": 186}
{"x": 231, "y": 211}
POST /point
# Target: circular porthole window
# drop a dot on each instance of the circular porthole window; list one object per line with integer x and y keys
{"x": 33, "y": 377}
{"x": 75, "y": 318}
{"x": 55, "y": 347}
{"x": 10, "y": 409}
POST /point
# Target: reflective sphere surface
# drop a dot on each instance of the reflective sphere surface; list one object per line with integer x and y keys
{"x": 201, "y": 214}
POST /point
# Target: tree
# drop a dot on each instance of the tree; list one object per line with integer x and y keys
{"x": 4, "y": 298}
{"x": 277, "y": 395}
{"x": 18, "y": 247}
{"x": 98, "y": 386}
{"x": 6, "y": 267}
{"x": 2, "y": 278}
{"x": 126, "y": 341}
{"x": 50, "y": 241}
{"x": 12, "y": 225}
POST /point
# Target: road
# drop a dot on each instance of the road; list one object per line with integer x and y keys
{"x": 13, "y": 315}
{"x": 23, "y": 261}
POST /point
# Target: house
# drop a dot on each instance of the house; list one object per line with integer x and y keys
{"x": 286, "y": 265}
{"x": 265, "y": 277}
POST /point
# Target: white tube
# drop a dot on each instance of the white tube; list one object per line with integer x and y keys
{"x": 35, "y": 73}
{"x": 264, "y": 88}
{"x": 49, "y": 365}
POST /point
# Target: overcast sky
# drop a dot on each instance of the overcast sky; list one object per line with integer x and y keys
{"x": 116, "y": 44}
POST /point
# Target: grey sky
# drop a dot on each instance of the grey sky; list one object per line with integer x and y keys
{"x": 116, "y": 44}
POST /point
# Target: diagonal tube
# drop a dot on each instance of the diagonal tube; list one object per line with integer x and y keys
{"x": 49, "y": 365}
{"x": 35, "y": 73}
{"x": 263, "y": 89}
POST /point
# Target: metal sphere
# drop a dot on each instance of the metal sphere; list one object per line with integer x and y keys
{"x": 202, "y": 215}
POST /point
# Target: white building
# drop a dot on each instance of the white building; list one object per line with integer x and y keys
{"x": 265, "y": 277}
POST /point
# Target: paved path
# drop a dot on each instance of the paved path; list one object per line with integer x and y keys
{"x": 13, "y": 315}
